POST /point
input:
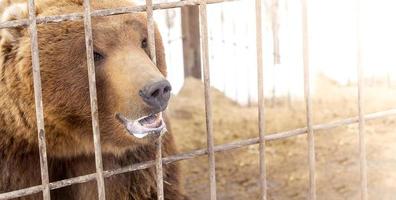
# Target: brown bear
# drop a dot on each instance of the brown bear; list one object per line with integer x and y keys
{"x": 130, "y": 87}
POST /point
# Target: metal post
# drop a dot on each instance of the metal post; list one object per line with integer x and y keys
{"x": 260, "y": 78}
{"x": 158, "y": 143}
{"x": 208, "y": 99}
{"x": 307, "y": 93}
{"x": 362, "y": 136}
{"x": 38, "y": 99}
{"x": 94, "y": 100}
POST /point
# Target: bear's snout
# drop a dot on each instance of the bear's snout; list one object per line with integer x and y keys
{"x": 156, "y": 95}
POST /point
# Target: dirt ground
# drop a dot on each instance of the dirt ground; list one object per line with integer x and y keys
{"x": 287, "y": 163}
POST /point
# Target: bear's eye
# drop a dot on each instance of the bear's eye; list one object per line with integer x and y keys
{"x": 144, "y": 43}
{"x": 98, "y": 57}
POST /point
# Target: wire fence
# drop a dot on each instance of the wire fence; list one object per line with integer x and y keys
{"x": 211, "y": 149}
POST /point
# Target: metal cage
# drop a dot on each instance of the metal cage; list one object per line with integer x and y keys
{"x": 101, "y": 174}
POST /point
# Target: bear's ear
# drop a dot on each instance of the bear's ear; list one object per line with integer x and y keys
{"x": 13, "y": 12}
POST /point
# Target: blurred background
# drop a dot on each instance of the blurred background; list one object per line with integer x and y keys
{"x": 333, "y": 29}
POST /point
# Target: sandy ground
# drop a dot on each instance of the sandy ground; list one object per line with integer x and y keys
{"x": 287, "y": 163}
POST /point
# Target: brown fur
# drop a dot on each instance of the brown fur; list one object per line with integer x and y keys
{"x": 125, "y": 69}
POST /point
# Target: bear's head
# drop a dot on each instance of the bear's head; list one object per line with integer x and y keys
{"x": 132, "y": 91}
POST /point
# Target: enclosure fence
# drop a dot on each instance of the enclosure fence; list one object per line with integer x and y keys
{"x": 211, "y": 149}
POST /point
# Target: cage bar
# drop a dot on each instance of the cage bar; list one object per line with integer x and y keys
{"x": 94, "y": 100}
{"x": 158, "y": 143}
{"x": 105, "y": 12}
{"x": 159, "y": 169}
{"x": 308, "y": 102}
{"x": 208, "y": 98}
{"x": 38, "y": 99}
{"x": 261, "y": 121}
{"x": 362, "y": 137}
{"x": 150, "y": 30}
{"x": 199, "y": 152}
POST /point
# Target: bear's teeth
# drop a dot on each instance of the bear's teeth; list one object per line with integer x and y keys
{"x": 144, "y": 126}
{"x": 152, "y": 121}
{"x": 140, "y": 135}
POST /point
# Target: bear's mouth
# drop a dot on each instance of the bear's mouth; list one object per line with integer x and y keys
{"x": 147, "y": 125}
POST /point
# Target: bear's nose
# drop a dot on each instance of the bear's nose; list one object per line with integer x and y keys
{"x": 156, "y": 95}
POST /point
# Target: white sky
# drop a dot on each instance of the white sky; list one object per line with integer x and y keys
{"x": 333, "y": 44}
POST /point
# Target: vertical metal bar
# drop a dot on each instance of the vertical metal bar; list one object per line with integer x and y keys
{"x": 307, "y": 92}
{"x": 159, "y": 170}
{"x": 158, "y": 156}
{"x": 38, "y": 99}
{"x": 260, "y": 79}
{"x": 208, "y": 101}
{"x": 94, "y": 101}
{"x": 150, "y": 30}
{"x": 362, "y": 138}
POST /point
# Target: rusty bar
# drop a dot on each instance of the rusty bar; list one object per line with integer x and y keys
{"x": 21, "y": 192}
{"x": 104, "y": 12}
{"x": 71, "y": 181}
{"x": 94, "y": 100}
{"x": 307, "y": 94}
{"x": 208, "y": 99}
{"x": 158, "y": 143}
{"x": 151, "y": 30}
{"x": 199, "y": 152}
{"x": 38, "y": 99}
{"x": 362, "y": 138}
{"x": 261, "y": 119}
{"x": 158, "y": 168}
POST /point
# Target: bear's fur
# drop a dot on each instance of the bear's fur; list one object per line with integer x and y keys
{"x": 125, "y": 69}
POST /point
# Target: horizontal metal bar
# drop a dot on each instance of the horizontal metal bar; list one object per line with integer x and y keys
{"x": 22, "y": 192}
{"x": 105, "y": 12}
{"x": 197, "y": 153}
{"x": 72, "y": 181}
